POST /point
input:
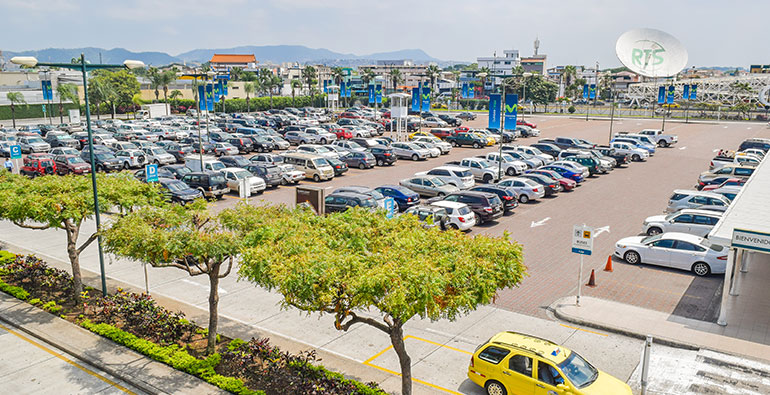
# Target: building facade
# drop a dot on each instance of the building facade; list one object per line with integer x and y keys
{"x": 223, "y": 63}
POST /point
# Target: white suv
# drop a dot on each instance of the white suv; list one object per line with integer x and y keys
{"x": 454, "y": 175}
{"x": 460, "y": 215}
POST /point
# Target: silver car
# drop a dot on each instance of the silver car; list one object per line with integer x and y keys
{"x": 31, "y": 144}
{"x": 435, "y": 141}
{"x": 694, "y": 222}
{"x": 434, "y": 151}
{"x": 524, "y": 187}
{"x": 675, "y": 250}
{"x": 159, "y": 156}
{"x": 428, "y": 186}
{"x": 682, "y": 199}
{"x": 409, "y": 151}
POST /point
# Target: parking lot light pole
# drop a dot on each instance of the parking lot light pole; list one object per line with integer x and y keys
{"x": 197, "y": 111}
{"x": 85, "y": 67}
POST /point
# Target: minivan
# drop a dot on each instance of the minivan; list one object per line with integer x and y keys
{"x": 314, "y": 166}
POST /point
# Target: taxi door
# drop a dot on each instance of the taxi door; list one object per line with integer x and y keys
{"x": 547, "y": 378}
{"x": 517, "y": 374}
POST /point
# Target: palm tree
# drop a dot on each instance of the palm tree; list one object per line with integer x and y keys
{"x": 367, "y": 76}
{"x": 485, "y": 72}
{"x": 248, "y": 76}
{"x": 433, "y": 72}
{"x": 66, "y": 92}
{"x": 99, "y": 92}
{"x": 248, "y": 88}
{"x": 309, "y": 75}
{"x": 269, "y": 82}
{"x": 236, "y": 73}
{"x": 167, "y": 77}
{"x": 338, "y": 74}
{"x": 174, "y": 95}
{"x": 15, "y": 98}
{"x": 156, "y": 81}
{"x": 396, "y": 77}
{"x": 295, "y": 84}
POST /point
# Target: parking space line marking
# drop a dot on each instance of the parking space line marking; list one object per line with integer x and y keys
{"x": 584, "y": 330}
{"x": 369, "y": 363}
{"x": 67, "y": 360}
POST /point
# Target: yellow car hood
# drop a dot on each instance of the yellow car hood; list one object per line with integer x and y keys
{"x": 606, "y": 385}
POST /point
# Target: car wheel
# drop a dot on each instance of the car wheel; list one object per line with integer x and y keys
{"x": 495, "y": 388}
{"x": 476, "y": 145}
{"x": 125, "y": 166}
{"x": 362, "y": 166}
{"x": 380, "y": 162}
{"x": 316, "y": 178}
{"x": 701, "y": 269}
{"x": 636, "y": 158}
{"x": 283, "y": 181}
{"x": 323, "y": 141}
{"x": 479, "y": 221}
{"x": 487, "y": 178}
{"x": 523, "y": 198}
{"x": 440, "y": 194}
{"x": 454, "y": 144}
{"x": 415, "y": 157}
{"x": 663, "y": 143}
{"x": 654, "y": 231}
{"x": 454, "y": 226}
{"x": 156, "y": 162}
{"x": 632, "y": 257}
{"x": 511, "y": 171}
{"x": 303, "y": 142}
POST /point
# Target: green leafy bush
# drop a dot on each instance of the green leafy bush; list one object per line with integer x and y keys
{"x": 6, "y": 257}
{"x": 16, "y": 292}
{"x": 571, "y": 109}
{"x": 51, "y": 307}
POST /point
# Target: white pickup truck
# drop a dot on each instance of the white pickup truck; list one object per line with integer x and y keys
{"x": 481, "y": 169}
{"x": 663, "y": 140}
{"x": 511, "y": 166}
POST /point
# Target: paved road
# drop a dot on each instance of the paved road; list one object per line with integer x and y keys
{"x": 28, "y": 366}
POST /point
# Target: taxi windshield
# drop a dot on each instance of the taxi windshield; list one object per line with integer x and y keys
{"x": 578, "y": 370}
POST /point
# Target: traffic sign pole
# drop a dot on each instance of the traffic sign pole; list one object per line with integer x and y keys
{"x": 583, "y": 244}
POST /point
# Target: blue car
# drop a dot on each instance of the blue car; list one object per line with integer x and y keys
{"x": 565, "y": 172}
{"x": 403, "y": 196}
{"x": 638, "y": 144}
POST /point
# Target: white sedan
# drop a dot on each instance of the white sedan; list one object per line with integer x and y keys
{"x": 675, "y": 250}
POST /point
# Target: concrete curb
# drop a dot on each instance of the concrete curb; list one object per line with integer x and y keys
{"x": 66, "y": 329}
{"x": 554, "y": 308}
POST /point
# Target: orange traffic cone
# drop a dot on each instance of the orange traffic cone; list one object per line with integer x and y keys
{"x": 592, "y": 279}
{"x": 608, "y": 266}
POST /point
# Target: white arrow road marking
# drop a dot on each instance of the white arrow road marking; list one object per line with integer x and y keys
{"x": 539, "y": 223}
{"x": 748, "y": 128}
{"x": 638, "y": 123}
{"x": 724, "y": 127}
{"x": 601, "y": 230}
{"x": 188, "y": 281}
{"x": 685, "y": 147}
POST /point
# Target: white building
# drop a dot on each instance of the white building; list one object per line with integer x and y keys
{"x": 500, "y": 65}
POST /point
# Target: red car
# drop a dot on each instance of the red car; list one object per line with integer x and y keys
{"x": 525, "y": 123}
{"x": 443, "y": 132}
{"x": 462, "y": 129}
{"x": 342, "y": 133}
{"x": 350, "y": 115}
{"x": 71, "y": 164}
{"x": 566, "y": 183}
{"x": 35, "y": 166}
{"x": 729, "y": 182}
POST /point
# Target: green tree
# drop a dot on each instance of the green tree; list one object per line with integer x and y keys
{"x": 64, "y": 202}
{"x": 309, "y": 75}
{"x": 236, "y": 73}
{"x": 485, "y": 72}
{"x": 123, "y": 83}
{"x": 156, "y": 80}
{"x": 15, "y": 98}
{"x": 174, "y": 95}
{"x": 396, "y": 78}
{"x": 248, "y": 76}
{"x": 269, "y": 83}
{"x": 353, "y": 262}
{"x": 338, "y": 74}
{"x": 166, "y": 78}
{"x": 606, "y": 82}
{"x": 187, "y": 238}
{"x": 248, "y": 89}
{"x": 99, "y": 92}
{"x": 66, "y": 92}
{"x": 433, "y": 73}
{"x": 295, "y": 84}
{"x": 367, "y": 76}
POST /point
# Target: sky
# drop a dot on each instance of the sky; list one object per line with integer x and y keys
{"x": 715, "y": 33}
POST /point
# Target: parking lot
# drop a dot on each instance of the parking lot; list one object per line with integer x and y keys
{"x": 619, "y": 201}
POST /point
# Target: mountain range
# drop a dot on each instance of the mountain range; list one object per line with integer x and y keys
{"x": 264, "y": 54}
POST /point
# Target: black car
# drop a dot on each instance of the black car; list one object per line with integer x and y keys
{"x": 486, "y": 206}
{"x": 361, "y": 160}
{"x": 551, "y": 186}
{"x": 243, "y": 144}
{"x": 547, "y": 148}
{"x": 341, "y": 201}
{"x": 177, "y": 170}
{"x": 262, "y": 144}
{"x": 177, "y": 191}
{"x": 211, "y": 184}
{"x": 383, "y": 155}
{"x": 234, "y": 161}
{"x": 179, "y": 151}
{"x": 365, "y": 142}
{"x": 450, "y": 119}
{"x": 620, "y": 159}
{"x": 270, "y": 173}
{"x": 193, "y": 142}
{"x": 507, "y": 196}
{"x": 339, "y": 166}
{"x": 103, "y": 161}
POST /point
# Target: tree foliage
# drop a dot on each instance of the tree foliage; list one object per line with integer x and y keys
{"x": 123, "y": 83}
{"x": 352, "y": 262}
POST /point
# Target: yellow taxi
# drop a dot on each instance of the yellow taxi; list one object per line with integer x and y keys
{"x": 490, "y": 140}
{"x": 518, "y": 364}
{"x": 418, "y": 134}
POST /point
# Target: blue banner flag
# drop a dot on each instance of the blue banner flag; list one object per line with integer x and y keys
{"x": 464, "y": 93}
{"x": 225, "y": 86}
{"x": 326, "y": 86}
{"x": 670, "y": 97}
{"x": 415, "y": 99}
{"x": 342, "y": 89}
{"x": 378, "y": 93}
{"x": 47, "y": 91}
{"x": 216, "y": 92}
{"x": 371, "y": 94}
{"x": 201, "y": 97}
{"x": 661, "y": 95}
{"x": 693, "y": 91}
{"x": 494, "y": 111}
{"x": 592, "y": 91}
{"x": 511, "y": 112}
{"x": 471, "y": 92}
{"x": 585, "y": 91}
{"x": 686, "y": 92}
{"x": 209, "y": 97}
{"x": 425, "y": 98}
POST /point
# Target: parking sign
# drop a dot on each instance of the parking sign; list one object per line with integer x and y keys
{"x": 582, "y": 239}
{"x": 152, "y": 172}
{"x": 390, "y": 207}
{"x": 15, "y": 152}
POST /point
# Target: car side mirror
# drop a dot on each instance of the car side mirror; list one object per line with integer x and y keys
{"x": 563, "y": 387}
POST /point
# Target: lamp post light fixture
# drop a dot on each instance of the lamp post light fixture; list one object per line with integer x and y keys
{"x": 84, "y": 67}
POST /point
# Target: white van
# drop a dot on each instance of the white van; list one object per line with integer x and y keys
{"x": 193, "y": 162}
{"x": 314, "y": 166}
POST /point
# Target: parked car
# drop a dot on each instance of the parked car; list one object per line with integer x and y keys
{"x": 620, "y": 159}
{"x": 103, "y": 161}
{"x": 481, "y": 169}
{"x": 33, "y": 166}
{"x": 319, "y": 150}
{"x": 131, "y": 158}
{"x": 61, "y": 139}
{"x": 507, "y": 195}
{"x": 158, "y": 156}
{"x": 443, "y": 146}
{"x": 458, "y": 176}
{"x": 547, "y": 148}
{"x": 234, "y": 175}
{"x": 431, "y": 216}
{"x": 342, "y": 201}
{"x": 526, "y": 189}
{"x": 322, "y": 136}
{"x": 361, "y": 160}
{"x": 485, "y": 206}
{"x": 566, "y": 184}
{"x": 409, "y": 151}
{"x": 694, "y": 222}
{"x": 675, "y": 250}
{"x": 71, "y": 164}
{"x": 383, "y": 155}
{"x": 403, "y": 196}
{"x": 297, "y": 138}
{"x": 756, "y": 143}
{"x": 508, "y": 363}
{"x": 469, "y": 139}
{"x": 64, "y": 151}
{"x": 177, "y": 191}
{"x": 211, "y": 184}
{"x": 721, "y": 174}
{"x": 530, "y": 160}
{"x": 351, "y": 146}
{"x": 693, "y": 199}
{"x": 736, "y": 182}
{"x": 271, "y": 174}
{"x": 468, "y": 116}
{"x": 141, "y": 174}
{"x": 509, "y": 166}
{"x": 178, "y": 171}
{"x": 459, "y": 215}
{"x": 551, "y": 186}
{"x": 432, "y": 149}
{"x": 427, "y": 185}
{"x": 740, "y": 160}
{"x": 657, "y": 135}
{"x": 32, "y": 144}
{"x": 290, "y": 174}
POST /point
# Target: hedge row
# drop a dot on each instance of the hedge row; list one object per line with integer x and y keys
{"x": 34, "y": 111}
{"x": 255, "y": 103}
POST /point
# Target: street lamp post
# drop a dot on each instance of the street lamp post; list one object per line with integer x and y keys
{"x": 524, "y": 87}
{"x": 85, "y": 68}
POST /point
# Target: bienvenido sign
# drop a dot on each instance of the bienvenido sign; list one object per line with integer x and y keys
{"x": 751, "y": 240}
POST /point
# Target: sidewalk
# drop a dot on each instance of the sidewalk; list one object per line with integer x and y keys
{"x": 665, "y": 328}
{"x": 32, "y": 324}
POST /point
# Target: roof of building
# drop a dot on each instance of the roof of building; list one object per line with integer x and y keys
{"x": 233, "y": 58}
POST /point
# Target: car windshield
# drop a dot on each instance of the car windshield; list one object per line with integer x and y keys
{"x": 578, "y": 370}
{"x": 176, "y": 186}
{"x": 157, "y": 151}
{"x": 322, "y": 149}
{"x": 369, "y": 202}
{"x": 216, "y": 166}
{"x": 354, "y": 145}
{"x": 437, "y": 181}
{"x": 75, "y": 159}
{"x": 241, "y": 174}
{"x": 485, "y": 163}
{"x": 104, "y": 156}
{"x": 464, "y": 173}
{"x": 320, "y": 162}
{"x": 218, "y": 178}
{"x": 536, "y": 151}
{"x": 35, "y": 140}
{"x": 64, "y": 137}
{"x": 650, "y": 239}
{"x": 376, "y": 194}
{"x": 240, "y": 161}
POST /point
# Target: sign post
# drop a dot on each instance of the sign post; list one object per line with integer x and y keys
{"x": 151, "y": 171}
{"x": 16, "y": 158}
{"x": 244, "y": 188}
{"x": 390, "y": 207}
{"x": 583, "y": 244}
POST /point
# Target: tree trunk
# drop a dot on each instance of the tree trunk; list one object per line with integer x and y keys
{"x": 61, "y": 112}
{"x": 211, "y": 341}
{"x": 248, "y": 109}
{"x": 271, "y": 99}
{"x": 13, "y": 114}
{"x": 397, "y": 340}
{"x": 72, "y": 251}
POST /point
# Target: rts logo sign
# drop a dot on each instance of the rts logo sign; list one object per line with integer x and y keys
{"x": 647, "y": 54}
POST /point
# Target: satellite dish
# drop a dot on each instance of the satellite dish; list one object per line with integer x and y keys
{"x": 651, "y": 53}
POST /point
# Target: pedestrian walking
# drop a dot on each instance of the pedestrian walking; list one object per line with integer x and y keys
{"x": 8, "y": 164}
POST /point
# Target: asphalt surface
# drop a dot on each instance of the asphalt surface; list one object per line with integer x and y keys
{"x": 620, "y": 200}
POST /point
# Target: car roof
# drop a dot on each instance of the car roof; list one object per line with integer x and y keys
{"x": 450, "y": 167}
{"x": 350, "y": 194}
{"x": 539, "y": 346}
{"x": 682, "y": 236}
{"x": 695, "y": 211}
{"x": 353, "y": 188}
{"x": 695, "y": 192}
{"x": 447, "y": 204}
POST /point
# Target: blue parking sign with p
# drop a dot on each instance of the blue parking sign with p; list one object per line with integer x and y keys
{"x": 15, "y": 152}
{"x": 152, "y": 172}
{"x": 390, "y": 207}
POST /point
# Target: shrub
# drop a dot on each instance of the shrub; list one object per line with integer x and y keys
{"x": 6, "y": 257}
{"x": 16, "y": 292}
{"x": 51, "y": 307}
{"x": 571, "y": 109}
